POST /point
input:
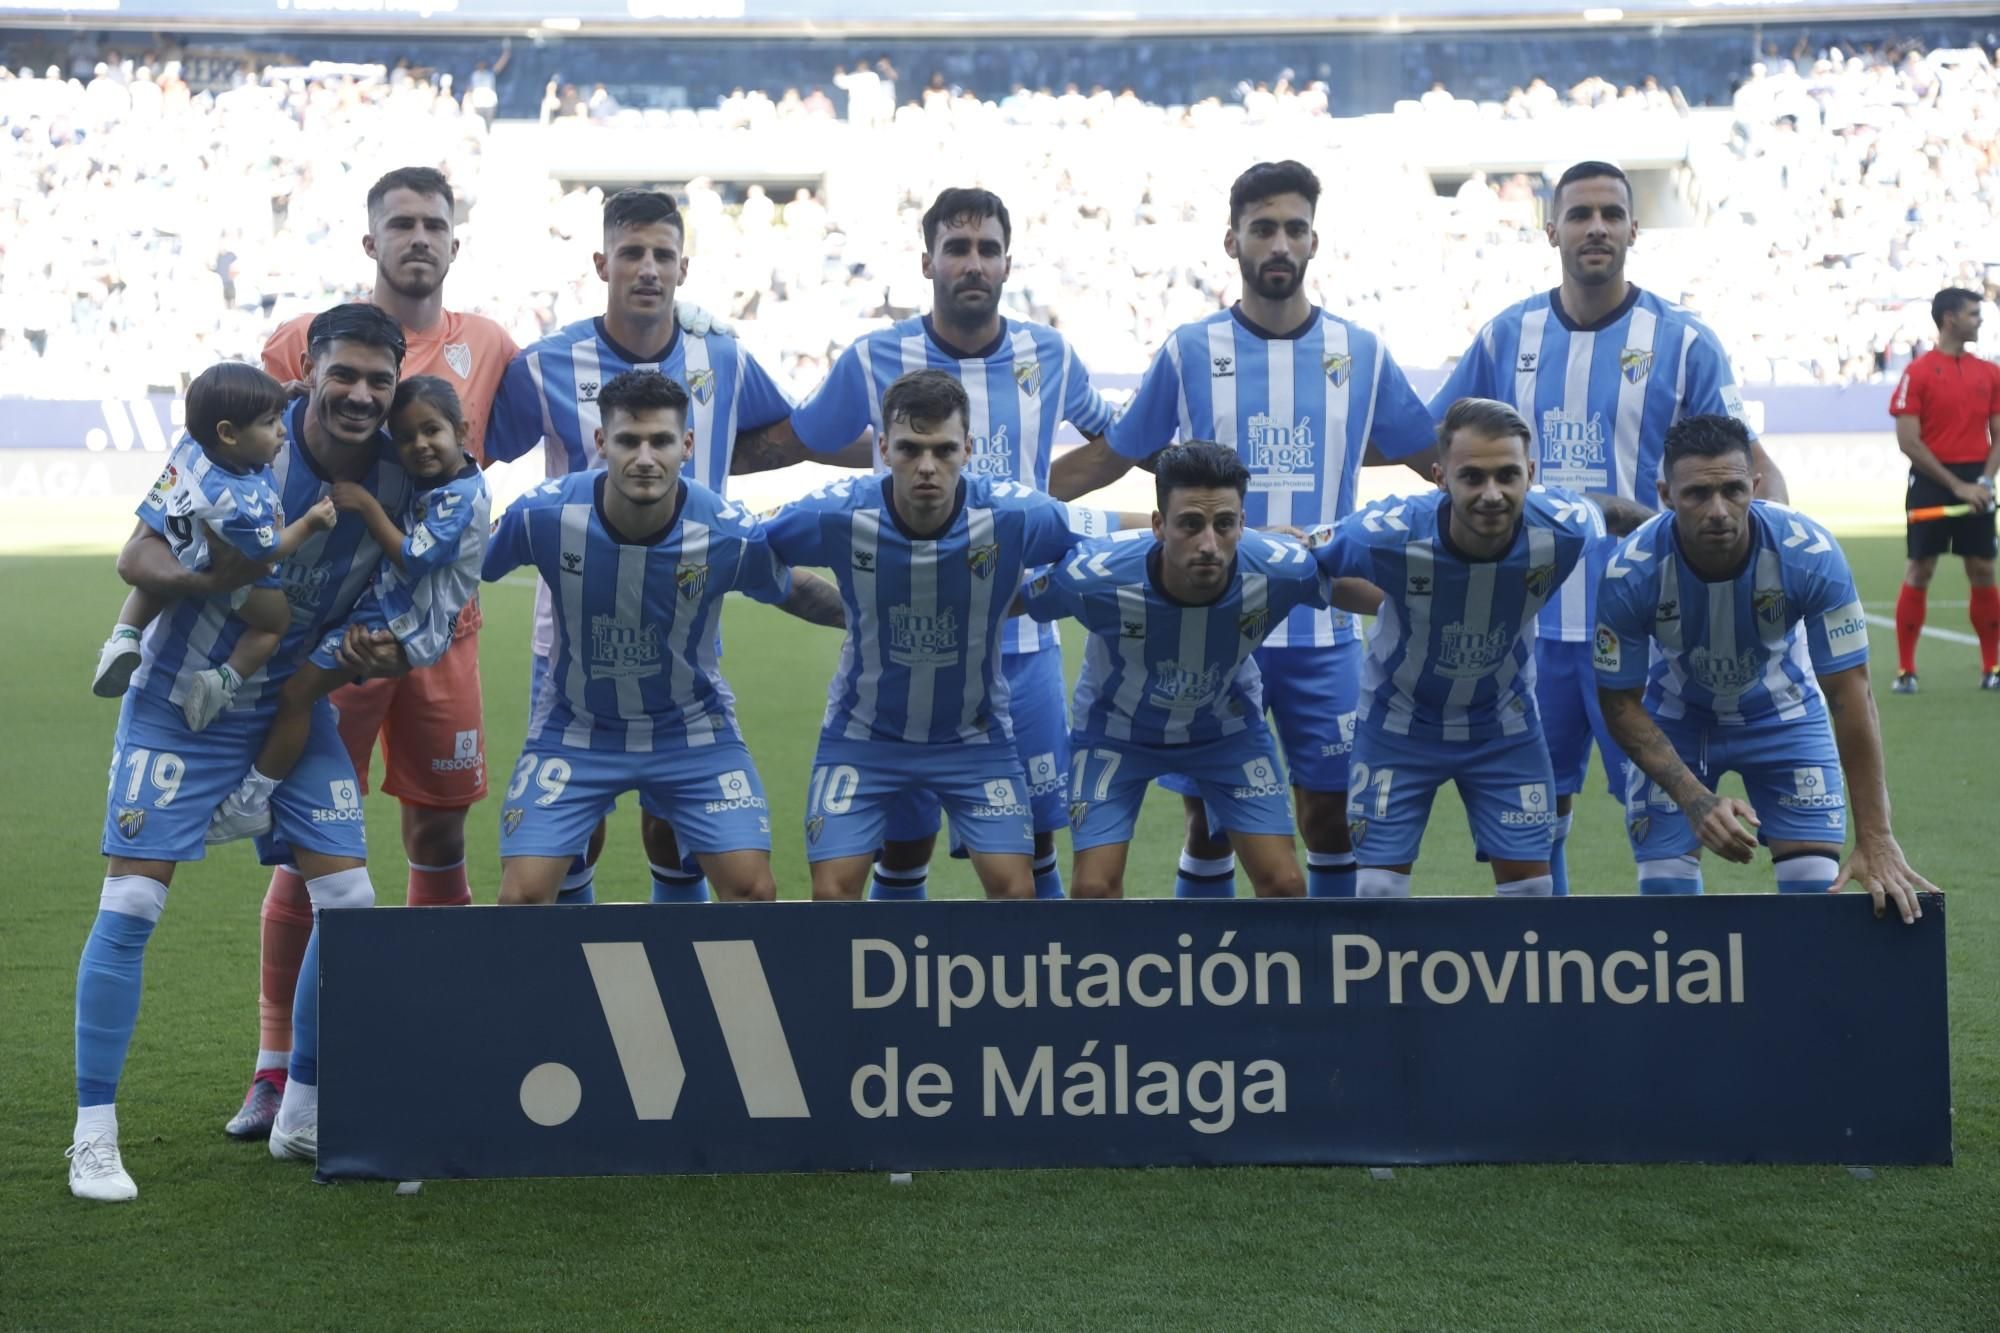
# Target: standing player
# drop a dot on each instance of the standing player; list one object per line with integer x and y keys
{"x": 1448, "y": 688}
{"x": 1168, "y": 683}
{"x": 1600, "y": 369}
{"x": 1741, "y": 622}
{"x": 1947, "y": 410}
{"x": 1022, "y": 381}
{"x": 1306, "y": 398}
{"x": 166, "y": 778}
{"x": 433, "y": 739}
{"x": 550, "y": 396}
{"x": 640, "y": 559}
{"x": 928, "y": 561}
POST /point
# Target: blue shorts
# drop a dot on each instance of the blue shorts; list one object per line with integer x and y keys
{"x": 854, "y": 784}
{"x": 1790, "y": 772}
{"x": 1505, "y": 783}
{"x": 1311, "y": 695}
{"x": 1566, "y": 694}
{"x": 367, "y": 613}
{"x": 538, "y": 680}
{"x": 1239, "y": 778}
{"x": 166, "y": 781}
{"x": 557, "y": 795}
{"x": 1040, "y": 709}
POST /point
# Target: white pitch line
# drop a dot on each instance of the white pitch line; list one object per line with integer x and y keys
{"x": 1948, "y": 635}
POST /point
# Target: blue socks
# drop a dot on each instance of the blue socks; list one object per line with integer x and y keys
{"x": 1048, "y": 878}
{"x": 1558, "y": 866}
{"x": 676, "y": 884}
{"x": 1805, "y": 872}
{"x": 1206, "y": 879}
{"x": 1329, "y": 874}
{"x": 579, "y": 886}
{"x": 107, "y": 997}
{"x": 305, "y": 1015}
{"x": 901, "y": 886}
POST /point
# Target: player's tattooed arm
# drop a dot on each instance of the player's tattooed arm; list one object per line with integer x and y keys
{"x": 1877, "y": 863}
{"x": 1620, "y": 515}
{"x": 816, "y": 599}
{"x": 1770, "y": 481}
{"x": 777, "y": 445}
{"x": 1719, "y": 821}
{"x": 150, "y": 565}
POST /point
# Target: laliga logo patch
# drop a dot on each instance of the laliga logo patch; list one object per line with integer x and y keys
{"x": 701, "y": 385}
{"x": 1635, "y": 363}
{"x": 983, "y": 558}
{"x": 1254, "y": 624}
{"x": 1540, "y": 579}
{"x": 510, "y": 819}
{"x": 459, "y": 357}
{"x": 1337, "y": 366}
{"x": 1028, "y": 375}
{"x": 130, "y": 821}
{"x": 691, "y": 580}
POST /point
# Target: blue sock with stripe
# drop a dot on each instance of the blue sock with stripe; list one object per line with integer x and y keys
{"x": 1330, "y": 874}
{"x": 1048, "y": 878}
{"x": 1805, "y": 872}
{"x": 1558, "y": 862}
{"x": 899, "y": 886}
{"x": 674, "y": 884}
{"x": 1674, "y": 875}
{"x": 107, "y": 1000}
{"x": 1206, "y": 879}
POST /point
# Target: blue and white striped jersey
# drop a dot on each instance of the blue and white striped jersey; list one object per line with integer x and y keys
{"x": 1157, "y": 671}
{"x": 322, "y": 580}
{"x": 634, "y": 666}
{"x": 550, "y": 393}
{"x": 1452, "y": 653}
{"x": 196, "y": 498}
{"x": 447, "y": 526}
{"x": 921, "y": 661}
{"x": 1731, "y": 651}
{"x": 1599, "y": 400}
{"x": 1021, "y": 389}
{"x": 1301, "y": 409}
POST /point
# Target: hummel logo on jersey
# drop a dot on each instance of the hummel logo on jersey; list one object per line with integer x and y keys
{"x": 1337, "y": 365}
{"x": 1635, "y": 363}
{"x": 459, "y": 357}
{"x": 1667, "y": 611}
{"x": 586, "y": 391}
{"x": 1028, "y": 375}
{"x": 572, "y": 562}
{"x": 1132, "y": 629}
{"x": 1420, "y": 585}
{"x": 1525, "y": 363}
{"x": 691, "y": 579}
{"x": 982, "y": 559}
{"x": 864, "y": 560}
{"x": 701, "y": 385}
{"x": 1224, "y": 365}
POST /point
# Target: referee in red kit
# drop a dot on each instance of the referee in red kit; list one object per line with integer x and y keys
{"x": 1947, "y": 411}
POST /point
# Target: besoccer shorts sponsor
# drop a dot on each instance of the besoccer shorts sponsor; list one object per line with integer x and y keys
{"x": 556, "y": 795}
{"x": 1566, "y": 697}
{"x": 1040, "y": 713}
{"x": 1505, "y": 784}
{"x": 166, "y": 781}
{"x": 433, "y": 733}
{"x": 1791, "y": 776}
{"x": 1239, "y": 778}
{"x": 981, "y": 787}
{"x": 1311, "y": 695}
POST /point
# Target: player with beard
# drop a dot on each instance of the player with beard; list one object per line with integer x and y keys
{"x": 1306, "y": 398}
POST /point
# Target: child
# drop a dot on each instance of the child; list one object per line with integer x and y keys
{"x": 424, "y": 581}
{"x": 218, "y": 485}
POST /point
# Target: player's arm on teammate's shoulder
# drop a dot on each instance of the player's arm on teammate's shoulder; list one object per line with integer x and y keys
{"x": 1717, "y": 820}
{"x": 1621, "y": 516}
{"x": 1088, "y": 467}
{"x": 816, "y": 600}
{"x": 147, "y": 563}
{"x": 1344, "y": 566}
{"x": 777, "y": 445}
{"x": 1877, "y": 862}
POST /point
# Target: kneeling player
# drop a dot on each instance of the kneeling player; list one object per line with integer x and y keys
{"x": 637, "y": 560}
{"x": 424, "y": 581}
{"x": 1168, "y": 683}
{"x": 1447, "y": 690}
{"x": 1741, "y": 622}
{"x": 928, "y": 563}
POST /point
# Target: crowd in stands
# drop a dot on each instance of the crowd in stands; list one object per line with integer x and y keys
{"x": 148, "y": 226}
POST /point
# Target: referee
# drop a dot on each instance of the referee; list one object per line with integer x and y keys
{"x": 1947, "y": 411}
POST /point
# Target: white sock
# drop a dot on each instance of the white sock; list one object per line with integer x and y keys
{"x": 301, "y": 1103}
{"x": 1535, "y": 886}
{"x": 95, "y": 1122}
{"x": 1221, "y": 865}
{"x": 1371, "y": 882}
{"x": 273, "y": 1060}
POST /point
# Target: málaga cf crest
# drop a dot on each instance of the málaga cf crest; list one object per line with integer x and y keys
{"x": 1028, "y": 375}
{"x": 1253, "y": 624}
{"x": 691, "y": 579}
{"x": 701, "y": 385}
{"x": 1540, "y": 579}
{"x": 1635, "y": 363}
{"x": 1337, "y": 365}
{"x": 982, "y": 559}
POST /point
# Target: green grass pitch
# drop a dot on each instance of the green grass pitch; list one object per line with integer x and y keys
{"x": 222, "y": 1237}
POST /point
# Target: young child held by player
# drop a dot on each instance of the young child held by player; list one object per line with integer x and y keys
{"x": 430, "y": 568}
{"x": 217, "y": 486}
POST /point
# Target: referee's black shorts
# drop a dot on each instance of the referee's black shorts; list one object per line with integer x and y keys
{"x": 1972, "y": 535}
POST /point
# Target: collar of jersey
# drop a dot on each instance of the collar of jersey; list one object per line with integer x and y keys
{"x": 1154, "y": 559}
{"x": 295, "y": 438}
{"x": 999, "y": 341}
{"x": 471, "y": 469}
{"x": 1624, "y": 309}
{"x": 611, "y": 529}
{"x": 1236, "y": 313}
{"x": 889, "y": 503}
{"x": 632, "y": 358}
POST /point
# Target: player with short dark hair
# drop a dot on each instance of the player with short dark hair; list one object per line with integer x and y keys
{"x": 1306, "y": 398}
{"x": 1739, "y": 621}
{"x": 1947, "y": 411}
{"x": 166, "y": 778}
{"x": 927, "y": 560}
{"x": 639, "y": 558}
{"x": 1447, "y": 692}
{"x": 1599, "y": 368}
